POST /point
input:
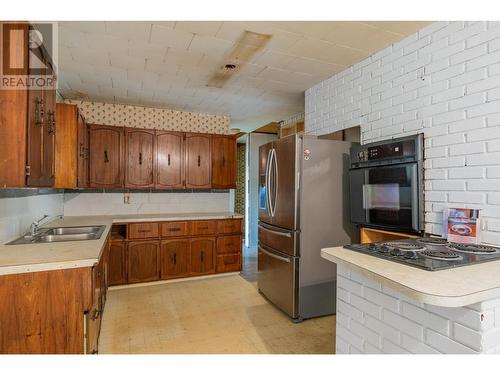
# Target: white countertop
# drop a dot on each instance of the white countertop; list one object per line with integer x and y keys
{"x": 461, "y": 286}
{"x": 75, "y": 254}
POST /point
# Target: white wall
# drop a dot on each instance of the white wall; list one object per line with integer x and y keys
{"x": 98, "y": 203}
{"x": 372, "y": 318}
{"x": 443, "y": 81}
{"x": 16, "y": 214}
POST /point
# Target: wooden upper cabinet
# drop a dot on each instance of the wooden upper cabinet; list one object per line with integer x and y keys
{"x": 223, "y": 162}
{"x": 139, "y": 158}
{"x": 169, "y": 160}
{"x": 71, "y": 158}
{"x": 198, "y": 160}
{"x": 106, "y": 156}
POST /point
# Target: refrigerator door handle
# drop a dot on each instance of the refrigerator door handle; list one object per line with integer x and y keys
{"x": 274, "y": 166}
{"x": 275, "y": 256}
{"x": 268, "y": 201}
{"x": 287, "y": 234}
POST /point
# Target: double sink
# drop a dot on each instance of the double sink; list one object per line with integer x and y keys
{"x": 62, "y": 234}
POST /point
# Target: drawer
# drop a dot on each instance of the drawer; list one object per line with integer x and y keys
{"x": 203, "y": 227}
{"x": 228, "y": 263}
{"x": 143, "y": 230}
{"x": 174, "y": 228}
{"x": 229, "y": 244}
{"x": 229, "y": 226}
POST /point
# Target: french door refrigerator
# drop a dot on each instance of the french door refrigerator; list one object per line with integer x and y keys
{"x": 303, "y": 207}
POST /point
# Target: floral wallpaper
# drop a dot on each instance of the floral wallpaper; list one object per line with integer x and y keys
{"x": 239, "y": 196}
{"x": 152, "y": 118}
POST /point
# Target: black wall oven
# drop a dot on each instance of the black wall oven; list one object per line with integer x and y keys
{"x": 386, "y": 184}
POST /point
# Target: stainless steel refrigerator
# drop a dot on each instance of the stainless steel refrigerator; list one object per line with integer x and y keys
{"x": 303, "y": 207}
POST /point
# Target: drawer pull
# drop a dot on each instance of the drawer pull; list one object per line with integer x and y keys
{"x": 229, "y": 261}
{"x": 205, "y": 228}
{"x": 174, "y": 229}
{"x": 144, "y": 230}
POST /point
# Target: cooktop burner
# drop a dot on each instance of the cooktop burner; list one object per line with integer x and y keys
{"x": 473, "y": 249}
{"x": 441, "y": 255}
{"x": 432, "y": 241}
{"x": 404, "y": 246}
{"x": 429, "y": 253}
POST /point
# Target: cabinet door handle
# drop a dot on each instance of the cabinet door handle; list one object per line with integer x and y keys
{"x": 39, "y": 111}
{"x": 82, "y": 151}
{"x": 168, "y": 159}
{"x": 223, "y": 161}
{"x": 199, "y": 160}
{"x": 202, "y": 256}
{"x": 106, "y": 158}
{"x": 175, "y": 258}
{"x": 51, "y": 122}
{"x": 140, "y": 158}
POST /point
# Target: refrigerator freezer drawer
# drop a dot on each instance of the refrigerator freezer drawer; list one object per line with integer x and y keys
{"x": 277, "y": 280}
{"x": 283, "y": 240}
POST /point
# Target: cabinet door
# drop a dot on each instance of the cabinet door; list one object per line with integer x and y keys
{"x": 106, "y": 156}
{"x": 223, "y": 162}
{"x": 83, "y": 152}
{"x": 41, "y": 133}
{"x": 142, "y": 261}
{"x": 198, "y": 160}
{"x": 174, "y": 258}
{"x": 117, "y": 266}
{"x": 169, "y": 160}
{"x": 139, "y": 158}
{"x": 202, "y": 252}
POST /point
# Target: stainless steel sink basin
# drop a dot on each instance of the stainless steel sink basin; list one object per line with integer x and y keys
{"x": 66, "y": 237}
{"x": 62, "y": 234}
{"x": 75, "y": 230}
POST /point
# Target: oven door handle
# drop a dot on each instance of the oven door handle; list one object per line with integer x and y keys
{"x": 415, "y": 201}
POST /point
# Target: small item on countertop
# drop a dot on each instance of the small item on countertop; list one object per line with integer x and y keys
{"x": 462, "y": 225}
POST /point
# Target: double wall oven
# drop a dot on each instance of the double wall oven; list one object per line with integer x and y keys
{"x": 386, "y": 184}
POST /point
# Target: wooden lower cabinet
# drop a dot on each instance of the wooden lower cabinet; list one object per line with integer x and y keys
{"x": 117, "y": 263}
{"x": 143, "y": 261}
{"x": 174, "y": 258}
{"x": 202, "y": 255}
{"x": 228, "y": 263}
{"x": 53, "y": 312}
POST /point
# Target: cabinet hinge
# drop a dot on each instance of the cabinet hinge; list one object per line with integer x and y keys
{"x": 28, "y": 170}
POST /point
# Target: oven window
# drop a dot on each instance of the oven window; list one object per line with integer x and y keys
{"x": 387, "y": 194}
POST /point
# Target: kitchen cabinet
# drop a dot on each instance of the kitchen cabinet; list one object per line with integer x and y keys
{"x": 202, "y": 252}
{"x": 170, "y": 160}
{"x": 174, "y": 228}
{"x": 174, "y": 258}
{"x": 53, "y": 312}
{"x": 40, "y": 163}
{"x": 203, "y": 227}
{"x": 198, "y": 160}
{"x": 223, "y": 162}
{"x": 143, "y": 230}
{"x": 139, "y": 158}
{"x": 106, "y": 156}
{"x": 143, "y": 261}
{"x": 117, "y": 264}
{"x": 72, "y": 148}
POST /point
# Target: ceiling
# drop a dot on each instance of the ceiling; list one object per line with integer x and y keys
{"x": 169, "y": 64}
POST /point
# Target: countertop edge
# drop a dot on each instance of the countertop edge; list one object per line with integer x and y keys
{"x": 419, "y": 296}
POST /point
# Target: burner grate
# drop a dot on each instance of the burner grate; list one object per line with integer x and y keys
{"x": 405, "y": 246}
{"x": 474, "y": 249}
{"x": 441, "y": 255}
{"x": 432, "y": 241}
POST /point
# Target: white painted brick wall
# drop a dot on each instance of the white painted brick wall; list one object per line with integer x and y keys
{"x": 372, "y": 318}
{"x": 443, "y": 81}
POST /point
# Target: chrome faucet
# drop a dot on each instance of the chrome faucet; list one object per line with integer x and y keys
{"x": 34, "y": 225}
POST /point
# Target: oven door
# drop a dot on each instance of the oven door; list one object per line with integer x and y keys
{"x": 387, "y": 197}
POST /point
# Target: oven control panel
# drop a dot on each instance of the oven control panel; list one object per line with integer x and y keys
{"x": 387, "y": 152}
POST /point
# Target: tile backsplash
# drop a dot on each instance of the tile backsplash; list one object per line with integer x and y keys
{"x": 112, "y": 203}
{"x": 18, "y": 212}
